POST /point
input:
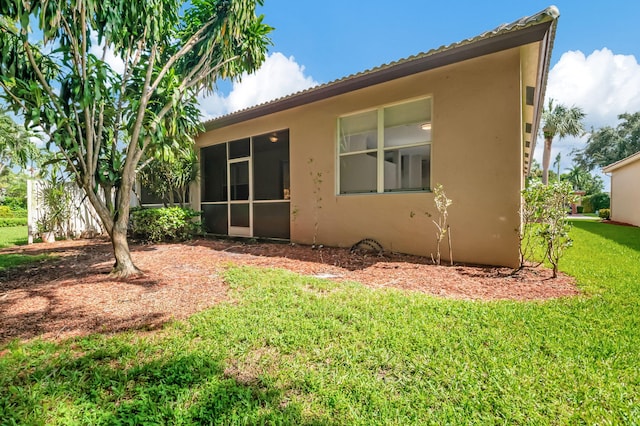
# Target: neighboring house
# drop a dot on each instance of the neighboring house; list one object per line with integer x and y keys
{"x": 625, "y": 192}
{"x": 357, "y": 158}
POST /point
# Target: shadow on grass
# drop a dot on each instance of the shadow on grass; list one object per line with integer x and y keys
{"x": 113, "y": 384}
{"x": 621, "y": 234}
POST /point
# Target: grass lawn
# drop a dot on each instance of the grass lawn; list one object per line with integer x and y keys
{"x": 297, "y": 350}
{"x": 15, "y": 235}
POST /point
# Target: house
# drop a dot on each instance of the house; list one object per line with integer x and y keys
{"x": 625, "y": 193}
{"x": 358, "y": 157}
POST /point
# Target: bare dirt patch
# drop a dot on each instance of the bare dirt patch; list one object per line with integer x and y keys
{"x": 74, "y": 295}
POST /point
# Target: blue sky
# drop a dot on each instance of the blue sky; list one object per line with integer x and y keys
{"x": 594, "y": 62}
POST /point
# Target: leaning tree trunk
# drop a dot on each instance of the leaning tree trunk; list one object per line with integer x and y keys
{"x": 116, "y": 223}
{"x": 546, "y": 159}
{"x": 124, "y": 265}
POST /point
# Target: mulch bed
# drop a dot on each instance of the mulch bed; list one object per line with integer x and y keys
{"x": 75, "y": 295}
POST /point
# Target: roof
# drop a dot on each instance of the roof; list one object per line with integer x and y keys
{"x": 540, "y": 27}
{"x": 621, "y": 163}
{"x": 523, "y": 31}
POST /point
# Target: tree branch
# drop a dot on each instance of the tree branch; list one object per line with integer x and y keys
{"x": 49, "y": 90}
{"x": 188, "y": 46}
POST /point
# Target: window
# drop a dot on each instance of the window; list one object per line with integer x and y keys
{"x": 387, "y": 149}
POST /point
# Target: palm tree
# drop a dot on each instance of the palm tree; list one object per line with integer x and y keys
{"x": 578, "y": 177}
{"x": 558, "y": 120}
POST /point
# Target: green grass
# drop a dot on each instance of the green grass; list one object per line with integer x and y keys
{"x": 13, "y": 235}
{"x": 296, "y": 350}
{"x": 16, "y": 235}
{"x": 14, "y": 260}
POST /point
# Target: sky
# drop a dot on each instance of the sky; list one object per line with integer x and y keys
{"x": 594, "y": 62}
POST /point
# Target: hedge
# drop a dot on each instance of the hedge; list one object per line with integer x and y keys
{"x": 12, "y": 221}
{"x": 164, "y": 224}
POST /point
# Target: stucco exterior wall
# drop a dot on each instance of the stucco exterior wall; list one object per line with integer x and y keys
{"x": 476, "y": 156}
{"x": 625, "y": 194}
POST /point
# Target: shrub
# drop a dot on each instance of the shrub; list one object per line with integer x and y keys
{"x": 15, "y": 203}
{"x": 604, "y": 213}
{"x": 10, "y": 212}
{"x": 12, "y": 221}
{"x": 544, "y": 225}
{"x": 579, "y": 209}
{"x": 600, "y": 201}
{"x": 164, "y": 224}
{"x": 5, "y": 211}
{"x": 587, "y": 207}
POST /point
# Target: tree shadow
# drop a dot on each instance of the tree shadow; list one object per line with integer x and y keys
{"x": 30, "y": 295}
{"x": 351, "y": 260}
{"x": 622, "y": 234}
{"x": 108, "y": 385}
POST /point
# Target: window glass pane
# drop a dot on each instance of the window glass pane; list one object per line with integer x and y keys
{"x": 408, "y": 123}
{"x": 407, "y": 169}
{"x": 240, "y": 148}
{"x": 239, "y": 175}
{"x": 240, "y": 215}
{"x": 359, "y": 132}
{"x": 271, "y": 220}
{"x": 214, "y": 173}
{"x": 358, "y": 173}
{"x": 271, "y": 166}
{"x": 214, "y": 217}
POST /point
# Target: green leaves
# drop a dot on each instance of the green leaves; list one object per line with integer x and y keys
{"x": 16, "y": 147}
{"x": 608, "y": 145}
{"x": 545, "y": 228}
{"x": 104, "y": 121}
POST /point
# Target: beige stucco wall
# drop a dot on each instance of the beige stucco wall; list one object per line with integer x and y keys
{"x": 476, "y": 156}
{"x": 625, "y": 194}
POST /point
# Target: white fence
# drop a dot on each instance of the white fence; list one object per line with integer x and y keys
{"x": 83, "y": 220}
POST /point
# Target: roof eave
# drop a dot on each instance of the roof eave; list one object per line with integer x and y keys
{"x": 546, "y": 48}
{"x": 621, "y": 163}
{"x": 461, "y": 52}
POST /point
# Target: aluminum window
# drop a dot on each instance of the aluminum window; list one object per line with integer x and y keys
{"x": 386, "y": 149}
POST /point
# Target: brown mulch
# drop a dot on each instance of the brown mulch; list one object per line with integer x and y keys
{"x": 74, "y": 295}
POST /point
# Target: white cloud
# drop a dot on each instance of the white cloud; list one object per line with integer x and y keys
{"x": 278, "y": 76}
{"x": 116, "y": 63}
{"x": 603, "y": 84}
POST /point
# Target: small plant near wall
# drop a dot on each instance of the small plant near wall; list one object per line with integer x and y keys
{"x": 545, "y": 229}
{"x": 443, "y": 229}
{"x": 316, "y": 178}
{"x": 604, "y": 214}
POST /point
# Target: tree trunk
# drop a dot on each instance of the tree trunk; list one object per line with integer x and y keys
{"x": 116, "y": 223}
{"x": 546, "y": 159}
{"x": 124, "y": 266}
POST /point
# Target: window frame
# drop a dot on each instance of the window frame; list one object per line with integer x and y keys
{"x": 380, "y": 150}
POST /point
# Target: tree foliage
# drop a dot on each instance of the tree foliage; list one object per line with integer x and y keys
{"x": 582, "y": 180}
{"x": 169, "y": 178}
{"x": 545, "y": 229}
{"x": 103, "y": 122}
{"x": 16, "y": 146}
{"x": 608, "y": 145}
